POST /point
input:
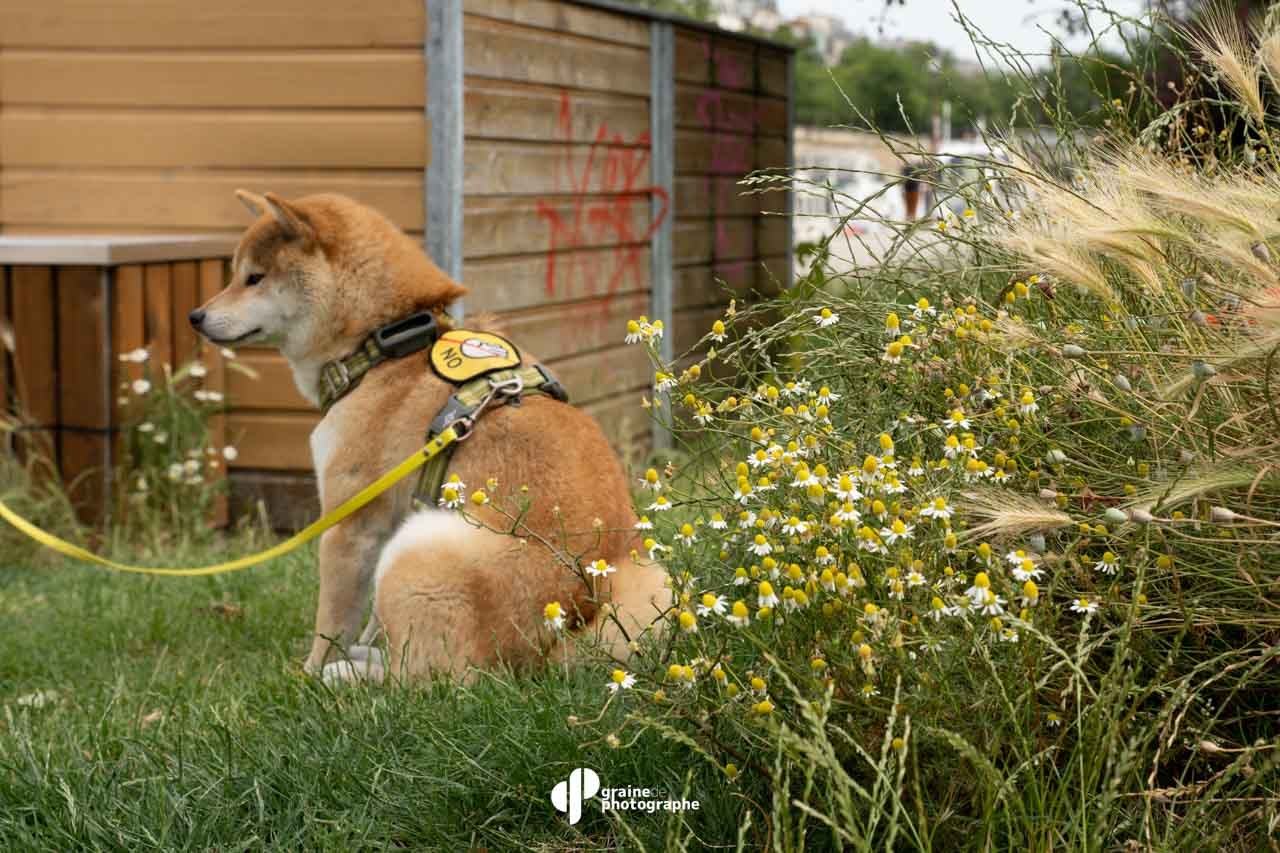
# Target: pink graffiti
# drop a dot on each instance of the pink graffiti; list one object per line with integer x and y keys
{"x": 602, "y": 210}
{"x": 732, "y": 125}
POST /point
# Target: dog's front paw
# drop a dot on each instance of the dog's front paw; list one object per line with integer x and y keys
{"x": 352, "y": 671}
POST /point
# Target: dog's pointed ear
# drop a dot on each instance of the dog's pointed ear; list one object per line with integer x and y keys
{"x": 254, "y": 203}
{"x": 292, "y": 221}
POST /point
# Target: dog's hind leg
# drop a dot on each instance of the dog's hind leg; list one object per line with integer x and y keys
{"x": 451, "y": 596}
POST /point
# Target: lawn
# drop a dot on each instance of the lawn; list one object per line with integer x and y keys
{"x": 149, "y": 714}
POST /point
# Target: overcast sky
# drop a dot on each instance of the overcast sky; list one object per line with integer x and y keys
{"x": 1019, "y": 22}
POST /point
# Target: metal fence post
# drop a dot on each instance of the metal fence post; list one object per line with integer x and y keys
{"x": 443, "y": 187}
{"x": 662, "y": 156}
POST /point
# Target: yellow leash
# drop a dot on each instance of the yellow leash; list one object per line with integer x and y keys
{"x": 311, "y": 531}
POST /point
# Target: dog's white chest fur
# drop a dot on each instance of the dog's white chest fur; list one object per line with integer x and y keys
{"x": 324, "y": 442}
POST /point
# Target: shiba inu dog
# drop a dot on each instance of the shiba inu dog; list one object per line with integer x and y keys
{"x": 315, "y": 277}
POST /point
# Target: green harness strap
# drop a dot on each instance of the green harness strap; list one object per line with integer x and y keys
{"x": 466, "y": 405}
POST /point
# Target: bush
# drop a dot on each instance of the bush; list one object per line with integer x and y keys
{"x": 977, "y": 548}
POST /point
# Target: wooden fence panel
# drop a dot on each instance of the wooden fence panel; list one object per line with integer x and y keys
{"x": 31, "y": 298}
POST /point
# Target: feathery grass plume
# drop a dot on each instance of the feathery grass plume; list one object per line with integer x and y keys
{"x": 1218, "y": 37}
{"x": 1229, "y": 248}
{"x": 1269, "y": 50}
{"x": 1184, "y": 194}
{"x": 1200, "y": 480}
{"x": 1054, "y": 251}
{"x": 1009, "y": 514}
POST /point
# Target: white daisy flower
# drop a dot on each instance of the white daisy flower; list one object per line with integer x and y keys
{"x": 140, "y": 386}
{"x": 848, "y": 513}
{"x": 795, "y": 527}
{"x": 938, "y": 509}
{"x": 1108, "y": 565}
{"x": 1026, "y": 570}
{"x": 621, "y": 680}
{"x": 713, "y": 604}
{"x": 826, "y": 317}
{"x": 1084, "y": 604}
{"x": 600, "y": 568}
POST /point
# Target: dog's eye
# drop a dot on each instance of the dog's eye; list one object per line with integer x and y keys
{"x": 252, "y": 279}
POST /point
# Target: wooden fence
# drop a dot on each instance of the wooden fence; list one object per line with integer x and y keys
{"x": 587, "y": 153}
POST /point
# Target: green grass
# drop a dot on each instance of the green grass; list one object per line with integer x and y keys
{"x": 182, "y": 721}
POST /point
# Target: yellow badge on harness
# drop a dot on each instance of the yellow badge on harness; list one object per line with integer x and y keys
{"x": 461, "y": 355}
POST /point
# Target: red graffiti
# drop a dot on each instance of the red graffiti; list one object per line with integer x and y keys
{"x": 602, "y": 209}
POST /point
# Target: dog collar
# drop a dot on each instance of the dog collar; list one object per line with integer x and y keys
{"x": 394, "y": 340}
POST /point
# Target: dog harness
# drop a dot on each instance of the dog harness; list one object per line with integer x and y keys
{"x": 483, "y": 367}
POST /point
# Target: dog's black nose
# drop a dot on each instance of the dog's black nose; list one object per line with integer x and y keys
{"x": 196, "y": 317}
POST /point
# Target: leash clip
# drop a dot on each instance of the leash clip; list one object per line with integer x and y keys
{"x": 511, "y": 387}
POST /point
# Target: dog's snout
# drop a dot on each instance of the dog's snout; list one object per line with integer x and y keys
{"x": 196, "y": 317}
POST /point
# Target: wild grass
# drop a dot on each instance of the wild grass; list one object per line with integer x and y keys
{"x": 1053, "y": 625}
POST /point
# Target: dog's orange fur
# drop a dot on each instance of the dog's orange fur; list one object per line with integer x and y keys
{"x": 334, "y": 270}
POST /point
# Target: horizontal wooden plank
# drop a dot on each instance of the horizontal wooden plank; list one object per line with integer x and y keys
{"x": 713, "y": 195}
{"x": 772, "y": 235}
{"x": 390, "y": 78}
{"x": 528, "y": 168}
{"x": 688, "y": 326}
{"x": 273, "y": 388}
{"x": 699, "y": 286}
{"x": 715, "y": 284}
{"x": 509, "y": 226}
{"x": 507, "y": 284}
{"x": 771, "y": 153}
{"x": 706, "y": 152}
{"x": 714, "y": 60}
{"x": 692, "y": 61}
{"x": 512, "y": 52}
{"x": 773, "y": 73}
{"x": 239, "y": 138}
{"x": 506, "y": 109}
{"x": 705, "y": 240}
{"x": 594, "y": 325}
{"x": 188, "y": 200}
{"x": 596, "y": 375}
{"x": 565, "y": 17}
{"x": 707, "y": 108}
{"x": 624, "y": 421}
{"x": 194, "y": 23}
{"x": 272, "y": 442}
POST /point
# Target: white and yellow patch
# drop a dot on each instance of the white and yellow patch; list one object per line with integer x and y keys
{"x": 461, "y": 355}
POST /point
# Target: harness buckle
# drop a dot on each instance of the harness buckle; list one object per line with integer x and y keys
{"x": 407, "y": 336}
{"x": 335, "y": 386}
